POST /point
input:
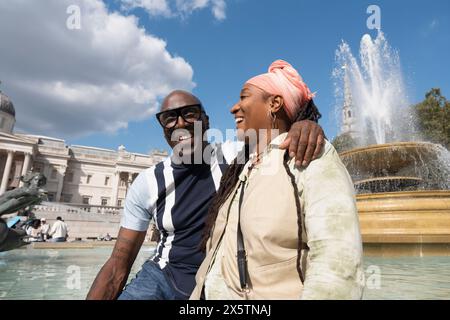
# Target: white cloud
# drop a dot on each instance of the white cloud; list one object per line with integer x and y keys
{"x": 177, "y": 8}
{"x": 69, "y": 83}
{"x": 219, "y": 7}
{"x": 153, "y": 7}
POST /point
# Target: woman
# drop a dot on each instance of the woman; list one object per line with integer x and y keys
{"x": 276, "y": 231}
{"x": 34, "y": 231}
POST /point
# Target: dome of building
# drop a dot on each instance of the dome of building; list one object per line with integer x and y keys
{"x": 6, "y": 105}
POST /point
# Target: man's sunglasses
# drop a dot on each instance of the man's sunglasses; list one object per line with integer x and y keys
{"x": 169, "y": 118}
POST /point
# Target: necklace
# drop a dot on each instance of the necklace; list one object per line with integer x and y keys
{"x": 255, "y": 160}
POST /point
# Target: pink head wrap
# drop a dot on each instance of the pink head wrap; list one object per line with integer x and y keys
{"x": 283, "y": 80}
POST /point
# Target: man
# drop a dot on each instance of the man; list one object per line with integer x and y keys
{"x": 176, "y": 195}
{"x": 44, "y": 229}
{"x": 59, "y": 231}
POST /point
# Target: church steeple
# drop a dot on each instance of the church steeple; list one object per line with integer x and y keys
{"x": 348, "y": 114}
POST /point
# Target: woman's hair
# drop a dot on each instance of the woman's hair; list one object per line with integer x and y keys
{"x": 36, "y": 223}
{"x": 231, "y": 177}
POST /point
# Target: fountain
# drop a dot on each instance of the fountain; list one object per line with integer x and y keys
{"x": 402, "y": 183}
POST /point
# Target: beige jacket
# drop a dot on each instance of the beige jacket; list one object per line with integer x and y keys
{"x": 332, "y": 265}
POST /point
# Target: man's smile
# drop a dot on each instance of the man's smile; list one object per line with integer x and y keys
{"x": 239, "y": 119}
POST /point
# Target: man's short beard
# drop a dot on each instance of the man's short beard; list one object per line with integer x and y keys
{"x": 191, "y": 153}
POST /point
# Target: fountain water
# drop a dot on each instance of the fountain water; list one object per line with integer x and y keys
{"x": 376, "y": 88}
{"x": 403, "y": 183}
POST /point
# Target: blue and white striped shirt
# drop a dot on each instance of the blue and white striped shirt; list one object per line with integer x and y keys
{"x": 177, "y": 197}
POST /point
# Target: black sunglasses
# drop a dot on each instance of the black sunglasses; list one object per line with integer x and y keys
{"x": 169, "y": 118}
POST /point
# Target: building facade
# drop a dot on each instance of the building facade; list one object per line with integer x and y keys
{"x": 75, "y": 174}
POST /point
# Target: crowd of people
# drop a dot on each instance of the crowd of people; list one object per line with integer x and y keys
{"x": 39, "y": 230}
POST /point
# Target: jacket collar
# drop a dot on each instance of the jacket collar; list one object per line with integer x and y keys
{"x": 274, "y": 144}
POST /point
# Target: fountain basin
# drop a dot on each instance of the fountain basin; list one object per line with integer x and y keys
{"x": 399, "y": 166}
{"x": 387, "y": 184}
{"x": 411, "y": 223}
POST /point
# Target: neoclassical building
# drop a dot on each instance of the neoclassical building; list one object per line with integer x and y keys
{"x": 75, "y": 174}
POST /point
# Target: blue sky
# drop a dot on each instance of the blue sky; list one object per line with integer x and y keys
{"x": 223, "y": 53}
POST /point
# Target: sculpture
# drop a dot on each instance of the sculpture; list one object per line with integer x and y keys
{"x": 30, "y": 194}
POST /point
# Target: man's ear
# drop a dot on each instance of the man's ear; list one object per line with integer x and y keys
{"x": 276, "y": 104}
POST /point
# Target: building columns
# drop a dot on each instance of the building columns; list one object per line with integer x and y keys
{"x": 128, "y": 182}
{"x": 6, "y": 172}
{"x": 61, "y": 173}
{"x": 26, "y": 166}
{"x": 115, "y": 190}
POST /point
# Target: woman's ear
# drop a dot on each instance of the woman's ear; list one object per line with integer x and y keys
{"x": 276, "y": 104}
